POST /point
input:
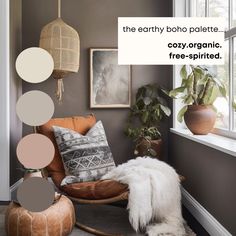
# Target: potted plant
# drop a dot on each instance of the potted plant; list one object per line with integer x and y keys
{"x": 198, "y": 91}
{"x": 149, "y": 109}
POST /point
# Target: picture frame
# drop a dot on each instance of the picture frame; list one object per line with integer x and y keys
{"x": 110, "y": 83}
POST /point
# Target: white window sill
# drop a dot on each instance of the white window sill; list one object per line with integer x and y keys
{"x": 223, "y": 144}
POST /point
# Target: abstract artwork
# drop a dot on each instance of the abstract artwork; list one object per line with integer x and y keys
{"x": 110, "y": 83}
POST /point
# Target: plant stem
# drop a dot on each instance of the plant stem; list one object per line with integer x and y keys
{"x": 195, "y": 89}
{"x": 208, "y": 84}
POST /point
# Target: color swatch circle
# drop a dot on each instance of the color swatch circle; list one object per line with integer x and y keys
{"x": 34, "y": 65}
{"x": 35, "y": 151}
{"x": 35, "y": 108}
{"x": 35, "y": 194}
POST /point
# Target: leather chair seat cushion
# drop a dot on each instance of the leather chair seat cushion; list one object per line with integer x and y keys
{"x": 95, "y": 190}
{"x": 58, "y": 219}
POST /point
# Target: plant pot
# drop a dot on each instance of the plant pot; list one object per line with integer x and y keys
{"x": 200, "y": 119}
{"x": 32, "y": 174}
{"x": 144, "y": 146}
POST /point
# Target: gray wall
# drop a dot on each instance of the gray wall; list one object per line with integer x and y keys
{"x": 96, "y": 21}
{"x": 15, "y": 87}
{"x": 210, "y": 177}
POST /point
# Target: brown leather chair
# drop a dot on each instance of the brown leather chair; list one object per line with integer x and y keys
{"x": 97, "y": 192}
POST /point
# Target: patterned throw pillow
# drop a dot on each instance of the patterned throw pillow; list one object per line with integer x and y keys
{"x": 85, "y": 157}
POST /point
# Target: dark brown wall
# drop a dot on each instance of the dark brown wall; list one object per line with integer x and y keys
{"x": 96, "y": 21}
{"x": 15, "y": 87}
{"x": 210, "y": 177}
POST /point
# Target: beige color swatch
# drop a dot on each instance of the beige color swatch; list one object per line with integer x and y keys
{"x": 35, "y": 108}
{"x": 35, "y": 151}
{"x": 35, "y": 194}
{"x": 34, "y": 65}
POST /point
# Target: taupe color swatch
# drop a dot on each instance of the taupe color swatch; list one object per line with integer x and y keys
{"x": 35, "y": 108}
{"x": 35, "y": 151}
{"x": 34, "y": 65}
{"x": 35, "y": 194}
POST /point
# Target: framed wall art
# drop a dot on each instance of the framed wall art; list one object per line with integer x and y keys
{"x": 110, "y": 83}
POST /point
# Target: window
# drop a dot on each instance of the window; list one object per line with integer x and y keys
{"x": 226, "y": 116}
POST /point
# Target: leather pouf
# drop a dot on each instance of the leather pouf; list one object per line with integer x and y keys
{"x": 57, "y": 220}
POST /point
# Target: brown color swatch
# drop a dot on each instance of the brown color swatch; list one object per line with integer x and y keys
{"x": 35, "y": 151}
{"x": 35, "y": 194}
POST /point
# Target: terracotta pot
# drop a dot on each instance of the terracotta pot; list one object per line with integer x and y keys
{"x": 144, "y": 144}
{"x": 200, "y": 119}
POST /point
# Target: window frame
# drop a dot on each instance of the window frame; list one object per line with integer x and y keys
{"x": 230, "y": 34}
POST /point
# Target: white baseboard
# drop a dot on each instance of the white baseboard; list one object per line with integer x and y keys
{"x": 14, "y": 187}
{"x": 208, "y": 222}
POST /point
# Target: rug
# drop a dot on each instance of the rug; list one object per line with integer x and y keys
{"x": 111, "y": 219}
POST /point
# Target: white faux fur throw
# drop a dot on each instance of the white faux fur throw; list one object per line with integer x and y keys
{"x": 154, "y": 198}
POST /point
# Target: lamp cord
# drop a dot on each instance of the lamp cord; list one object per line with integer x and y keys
{"x": 59, "y": 8}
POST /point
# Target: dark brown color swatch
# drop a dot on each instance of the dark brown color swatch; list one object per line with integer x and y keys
{"x": 35, "y": 194}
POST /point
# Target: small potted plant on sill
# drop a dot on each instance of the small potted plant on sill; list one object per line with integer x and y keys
{"x": 149, "y": 109}
{"x": 198, "y": 91}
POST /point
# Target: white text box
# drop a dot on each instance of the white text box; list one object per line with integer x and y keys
{"x": 170, "y": 40}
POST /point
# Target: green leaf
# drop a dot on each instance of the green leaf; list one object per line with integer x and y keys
{"x": 176, "y": 91}
{"x": 198, "y": 70}
{"x": 165, "y": 91}
{"x": 203, "y": 80}
{"x": 189, "y": 100}
{"x": 218, "y": 82}
{"x": 234, "y": 105}
{"x": 156, "y": 115}
{"x": 211, "y": 96}
{"x": 140, "y": 93}
{"x": 181, "y": 114}
{"x": 155, "y": 107}
{"x": 145, "y": 117}
{"x": 222, "y": 90}
{"x": 166, "y": 110}
{"x": 189, "y": 82}
{"x": 183, "y": 72}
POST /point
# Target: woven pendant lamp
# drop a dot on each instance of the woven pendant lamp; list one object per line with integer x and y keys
{"x": 63, "y": 43}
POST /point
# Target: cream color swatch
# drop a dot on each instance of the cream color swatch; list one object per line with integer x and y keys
{"x": 35, "y": 151}
{"x": 34, "y": 65}
{"x": 35, "y": 108}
